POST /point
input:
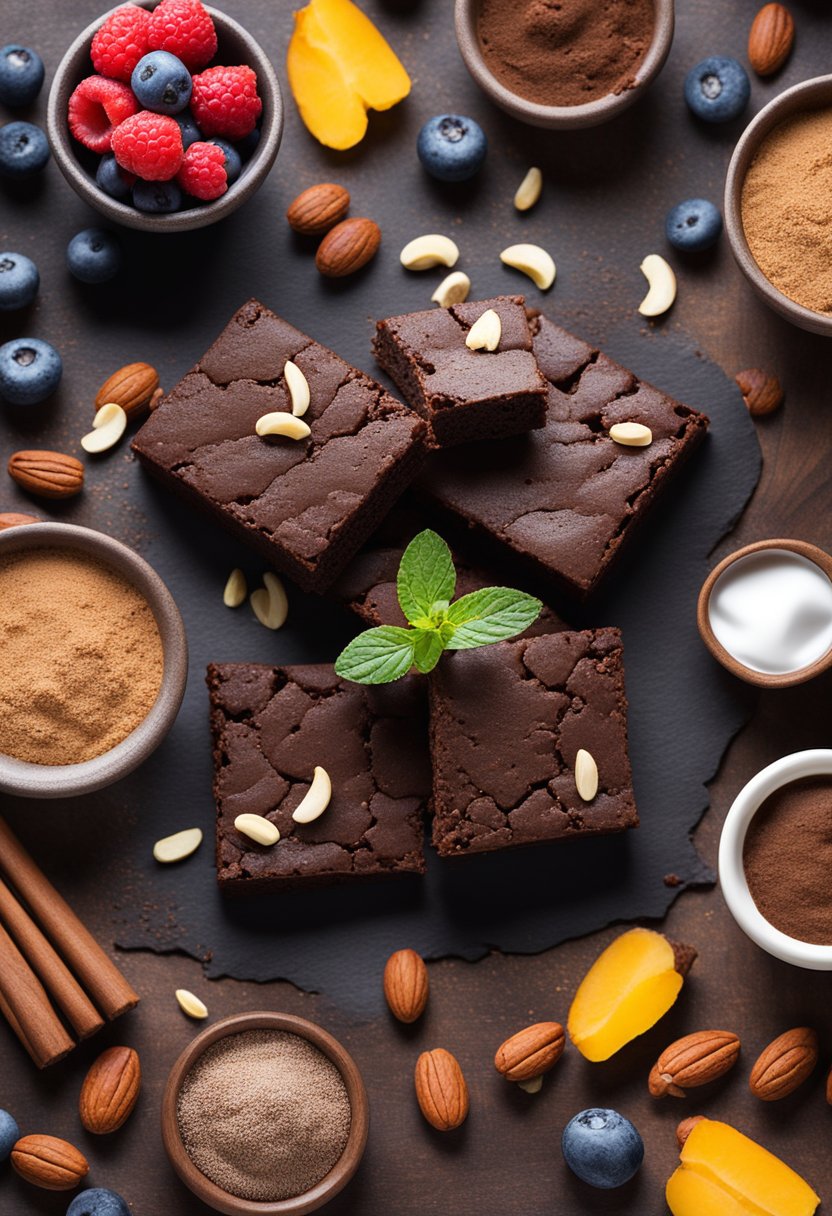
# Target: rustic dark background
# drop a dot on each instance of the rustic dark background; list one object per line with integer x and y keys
{"x": 607, "y": 194}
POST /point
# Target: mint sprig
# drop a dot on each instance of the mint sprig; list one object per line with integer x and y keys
{"x": 425, "y": 586}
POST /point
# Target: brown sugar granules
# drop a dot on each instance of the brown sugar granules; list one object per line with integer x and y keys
{"x": 787, "y": 209}
{"x": 264, "y": 1114}
{"x": 80, "y": 657}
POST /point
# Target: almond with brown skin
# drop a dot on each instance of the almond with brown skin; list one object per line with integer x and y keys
{"x": 406, "y": 985}
{"x": 770, "y": 39}
{"x": 347, "y": 247}
{"x": 761, "y": 392}
{"x": 318, "y": 209}
{"x": 131, "y": 387}
{"x": 784, "y": 1064}
{"x": 530, "y": 1052}
{"x": 48, "y": 474}
{"x": 686, "y": 1127}
{"x": 48, "y": 1162}
{"x": 110, "y": 1090}
{"x": 15, "y": 519}
{"x": 696, "y": 1059}
{"x": 441, "y": 1090}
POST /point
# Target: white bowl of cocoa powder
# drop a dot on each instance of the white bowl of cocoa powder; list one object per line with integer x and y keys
{"x": 95, "y": 660}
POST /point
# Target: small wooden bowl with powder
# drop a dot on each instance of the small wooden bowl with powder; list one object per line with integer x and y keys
{"x": 95, "y": 660}
{"x": 265, "y": 1114}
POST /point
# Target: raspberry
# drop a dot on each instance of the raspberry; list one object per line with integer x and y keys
{"x": 149, "y": 145}
{"x": 225, "y": 102}
{"x": 96, "y": 108}
{"x": 120, "y": 42}
{"x": 185, "y": 28}
{"x": 203, "y": 172}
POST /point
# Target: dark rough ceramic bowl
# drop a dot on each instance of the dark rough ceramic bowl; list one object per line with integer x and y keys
{"x": 235, "y": 46}
{"x": 341, "y": 1172}
{"x": 808, "y": 95}
{"x": 68, "y": 780}
{"x": 563, "y": 118}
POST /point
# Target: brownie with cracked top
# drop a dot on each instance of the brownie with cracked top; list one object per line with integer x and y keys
{"x": 271, "y": 726}
{"x": 565, "y": 500}
{"x": 309, "y": 504}
{"x": 465, "y": 395}
{"x": 506, "y": 723}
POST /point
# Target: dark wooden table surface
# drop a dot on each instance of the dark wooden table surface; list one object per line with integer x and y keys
{"x": 606, "y": 197}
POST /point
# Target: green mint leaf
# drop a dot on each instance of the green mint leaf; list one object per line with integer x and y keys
{"x": 490, "y": 615}
{"x": 426, "y": 575}
{"x": 377, "y": 656}
{"x": 427, "y": 650}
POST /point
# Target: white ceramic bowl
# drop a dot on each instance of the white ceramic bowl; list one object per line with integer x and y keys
{"x": 732, "y": 873}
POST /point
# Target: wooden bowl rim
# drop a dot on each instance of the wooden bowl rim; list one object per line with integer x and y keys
{"x": 331, "y": 1183}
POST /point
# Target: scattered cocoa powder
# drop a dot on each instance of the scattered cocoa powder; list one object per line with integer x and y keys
{"x": 264, "y": 1114}
{"x": 565, "y": 52}
{"x": 786, "y": 208}
{"x": 81, "y": 657}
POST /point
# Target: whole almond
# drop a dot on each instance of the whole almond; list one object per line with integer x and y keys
{"x": 110, "y": 1090}
{"x": 762, "y": 393}
{"x": 686, "y": 1127}
{"x": 318, "y": 209}
{"x": 406, "y": 985}
{"x": 693, "y": 1060}
{"x": 347, "y": 247}
{"x": 784, "y": 1064}
{"x": 530, "y": 1052}
{"x": 48, "y": 474}
{"x": 131, "y": 387}
{"x": 441, "y": 1090}
{"x": 48, "y": 1162}
{"x": 15, "y": 519}
{"x": 770, "y": 39}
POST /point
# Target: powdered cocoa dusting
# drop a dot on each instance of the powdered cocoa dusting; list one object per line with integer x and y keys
{"x": 264, "y": 1114}
{"x": 787, "y": 209}
{"x": 565, "y": 52}
{"x": 788, "y": 859}
{"x": 81, "y": 657}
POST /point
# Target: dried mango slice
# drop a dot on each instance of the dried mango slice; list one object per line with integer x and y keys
{"x": 627, "y": 989}
{"x": 340, "y": 66}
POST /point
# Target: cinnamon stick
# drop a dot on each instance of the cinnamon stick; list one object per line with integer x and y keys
{"x": 34, "y": 1020}
{"x": 97, "y": 973}
{"x": 6, "y": 1010}
{"x": 50, "y": 968}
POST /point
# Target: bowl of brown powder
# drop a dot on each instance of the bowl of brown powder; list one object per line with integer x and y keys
{"x": 94, "y": 665}
{"x": 265, "y": 1114}
{"x": 778, "y": 200}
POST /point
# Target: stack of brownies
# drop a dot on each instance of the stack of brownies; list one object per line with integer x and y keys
{"x": 510, "y": 447}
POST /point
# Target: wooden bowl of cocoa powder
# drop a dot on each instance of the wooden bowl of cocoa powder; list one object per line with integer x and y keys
{"x": 95, "y": 660}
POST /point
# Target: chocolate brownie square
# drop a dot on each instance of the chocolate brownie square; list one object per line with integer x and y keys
{"x": 506, "y": 723}
{"x": 564, "y": 501}
{"x": 464, "y": 394}
{"x": 308, "y": 504}
{"x": 271, "y": 726}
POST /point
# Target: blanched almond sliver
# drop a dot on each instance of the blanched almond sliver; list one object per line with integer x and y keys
{"x": 107, "y": 428}
{"x": 235, "y": 589}
{"x": 662, "y": 282}
{"x": 452, "y": 290}
{"x": 528, "y": 192}
{"x": 586, "y": 775}
{"x": 316, "y": 799}
{"x": 486, "y": 332}
{"x": 270, "y": 603}
{"x": 257, "y": 828}
{"x": 281, "y": 423}
{"x": 533, "y": 261}
{"x": 298, "y": 387}
{"x": 433, "y": 249}
{"x": 631, "y": 434}
{"x": 190, "y": 1004}
{"x": 178, "y": 846}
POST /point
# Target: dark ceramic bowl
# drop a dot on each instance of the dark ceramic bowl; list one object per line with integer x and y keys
{"x": 808, "y": 95}
{"x": 563, "y": 118}
{"x": 67, "y": 780}
{"x": 78, "y": 165}
{"x": 341, "y": 1172}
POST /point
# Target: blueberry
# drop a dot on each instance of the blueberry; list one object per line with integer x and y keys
{"x": 111, "y": 178}
{"x": 451, "y": 147}
{"x": 9, "y": 1134}
{"x": 93, "y": 256}
{"x": 602, "y": 1147}
{"x": 98, "y": 1202}
{"x": 161, "y": 83}
{"x": 158, "y": 197}
{"x": 693, "y": 225}
{"x": 30, "y": 370}
{"x": 190, "y": 131}
{"x": 247, "y": 146}
{"x": 717, "y": 89}
{"x": 19, "y": 281}
{"x": 23, "y": 150}
{"x": 21, "y": 75}
{"x": 233, "y": 164}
